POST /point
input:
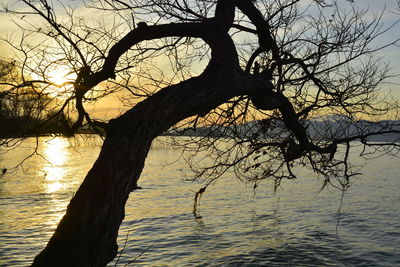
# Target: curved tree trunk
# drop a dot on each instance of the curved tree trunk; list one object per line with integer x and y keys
{"x": 86, "y": 236}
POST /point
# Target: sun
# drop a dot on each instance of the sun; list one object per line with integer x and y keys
{"x": 59, "y": 75}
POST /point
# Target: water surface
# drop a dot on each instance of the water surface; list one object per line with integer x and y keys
{"x": 297, "y": 226}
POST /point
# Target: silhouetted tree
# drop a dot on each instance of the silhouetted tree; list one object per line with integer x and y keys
{"x": 268, "y": 77}
{"x": 25, "y": 108}
{"x": 22, "y": 105}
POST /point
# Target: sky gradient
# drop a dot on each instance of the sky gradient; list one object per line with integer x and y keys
{"x": 10, "y": 30}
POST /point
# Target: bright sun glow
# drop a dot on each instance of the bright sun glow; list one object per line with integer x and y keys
{"x": 59, "y": 75}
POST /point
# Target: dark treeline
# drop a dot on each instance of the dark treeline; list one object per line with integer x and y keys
{"x": 24, "y": 126}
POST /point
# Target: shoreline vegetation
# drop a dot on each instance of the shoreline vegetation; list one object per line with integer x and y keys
{"x": 25, "y": 126}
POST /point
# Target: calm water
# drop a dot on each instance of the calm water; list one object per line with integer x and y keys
{"x": 298, "y": 226}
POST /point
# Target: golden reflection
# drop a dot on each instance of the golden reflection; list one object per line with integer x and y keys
{"x": 55, "y": 169}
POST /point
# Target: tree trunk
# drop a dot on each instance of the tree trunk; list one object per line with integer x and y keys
{"x": 86, "y": 235}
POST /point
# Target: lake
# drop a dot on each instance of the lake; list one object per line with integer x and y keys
{"x": 296, "y": 226}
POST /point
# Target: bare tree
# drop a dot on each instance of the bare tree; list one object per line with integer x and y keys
{"x": 22, "y": 104}
{"x": 264, "y": 78}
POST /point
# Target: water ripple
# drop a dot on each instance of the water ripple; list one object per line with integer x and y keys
{"x": 295, "y": 227}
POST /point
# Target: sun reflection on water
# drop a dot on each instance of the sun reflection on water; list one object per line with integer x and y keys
{"x": 55, "y": 169}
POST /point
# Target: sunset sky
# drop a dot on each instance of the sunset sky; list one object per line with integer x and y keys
{"x": 9, "y": 30}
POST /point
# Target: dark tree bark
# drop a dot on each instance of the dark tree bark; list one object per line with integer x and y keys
{"x": 86, "y": 236}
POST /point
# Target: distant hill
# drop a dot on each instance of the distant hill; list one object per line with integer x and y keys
{"x": 322, "y": 129}
{"x": 380, "y": 131}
